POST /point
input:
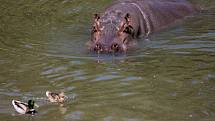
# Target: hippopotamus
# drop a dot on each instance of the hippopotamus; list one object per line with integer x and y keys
{"x": 117, "y": 28}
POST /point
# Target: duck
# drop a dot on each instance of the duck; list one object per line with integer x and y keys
{"x": 56, "y": 97}
{"x": 25, "y": 108}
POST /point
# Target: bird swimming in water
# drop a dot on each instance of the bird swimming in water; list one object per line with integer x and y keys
{"x": 56, "y": 97}
{"x": 25, "y": 108}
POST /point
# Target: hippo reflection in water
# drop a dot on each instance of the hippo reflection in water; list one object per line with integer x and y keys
{"x": 126, "y": 20}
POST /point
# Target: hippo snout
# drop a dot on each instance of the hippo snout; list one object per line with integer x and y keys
{"x": 107, "y": 48}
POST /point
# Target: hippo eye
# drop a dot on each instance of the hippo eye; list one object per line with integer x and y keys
{"x": 94, "y": 29}
{"x": 124, "y": 40}
{"x": 128, "y": 29}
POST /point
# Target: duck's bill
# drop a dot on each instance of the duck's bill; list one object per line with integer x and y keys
{"x": 36, "y": 105}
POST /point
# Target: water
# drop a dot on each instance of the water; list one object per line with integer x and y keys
{"x": 169, "y": 77}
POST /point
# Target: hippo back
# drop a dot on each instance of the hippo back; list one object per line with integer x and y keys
{"x": 117, "y": 28}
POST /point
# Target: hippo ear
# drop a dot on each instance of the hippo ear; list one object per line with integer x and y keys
{"x": 96, "y": 17}
{"x": 96, "y": 26}
{"x": 128, "y": 18}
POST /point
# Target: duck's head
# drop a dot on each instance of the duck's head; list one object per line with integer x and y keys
{"x": 62, "y": 97}
{"x": 31, "y": 104}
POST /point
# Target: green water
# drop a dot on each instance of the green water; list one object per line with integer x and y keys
{"x": 169, "y": 77}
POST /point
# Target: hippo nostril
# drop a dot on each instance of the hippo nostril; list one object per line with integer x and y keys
{"x": 115, "y": 47}
{"x": 98, "y": 47}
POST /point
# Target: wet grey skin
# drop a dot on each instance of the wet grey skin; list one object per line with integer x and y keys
{"x": 118, "y": 27}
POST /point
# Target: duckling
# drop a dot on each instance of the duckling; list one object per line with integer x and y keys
{"x": 55, "y": 97}
{"x": 25, "y": 108}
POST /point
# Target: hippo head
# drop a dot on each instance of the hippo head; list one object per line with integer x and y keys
{"x": 111, "y": 34}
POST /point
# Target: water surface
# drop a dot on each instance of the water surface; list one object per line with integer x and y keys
{"x": 169, "y": 77}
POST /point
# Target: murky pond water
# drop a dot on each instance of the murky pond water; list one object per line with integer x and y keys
{"x": 169, "y": 77}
